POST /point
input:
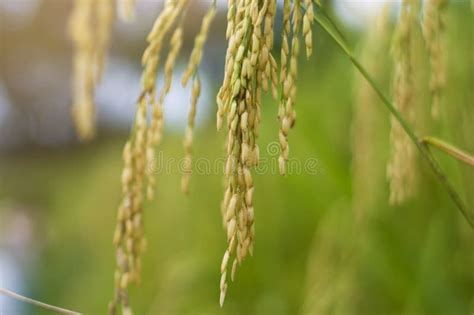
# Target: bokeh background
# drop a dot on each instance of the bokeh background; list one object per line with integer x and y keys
{"x": 327, "y": 240}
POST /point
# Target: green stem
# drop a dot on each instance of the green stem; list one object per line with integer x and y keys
{"x": 326, "y": 23}
{"x": 449, "y": 149}
{"x": 45, "y": 306}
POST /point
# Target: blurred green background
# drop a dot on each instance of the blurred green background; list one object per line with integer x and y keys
{"x": 314, "y": 254}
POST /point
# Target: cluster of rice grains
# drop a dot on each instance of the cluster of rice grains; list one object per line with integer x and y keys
{"x": 250, "y": 68}
{"x": 401, "y": 167}
{"x": 367, "y": 115}
{"x": 137, "y": 180}
{"x": 90, "y": 29}
{"x": 432, "y": 31}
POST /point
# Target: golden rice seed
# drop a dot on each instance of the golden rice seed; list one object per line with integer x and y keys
{"x": 231, "y": 246}
{"x": 222, "y": 295}
{"x": 251, "y": 213}
{"x": 124, "y": 280}
{"x": 294, "y": 64}
{"x": 269, "y": 22}
{"x": 307, "y": 25}
{"x": 137, "y": 221}
{"x": 234, "y": 269}
{"x": 129, "y": 245}
{"x": 245, "y": 153}
{"x": 231, "y": 226}
{"x": 232, "y": 207}
{"x": 121, "y": 258}
{"x": 128, "y": 227}
{"x": 240, "y": 177}
{"x": 227, "y": 196}
{"x": 249, "y": 196}
{"x": 176, "y": 42}
{"x": 230, "y": 18}
{"x": 238, "y": 253}
{"x": 287, "y": 84}
{"x": 274, "y": 77}
{"x": 248, "y": 177}
{"x": 254, "y": 12}
{"x": 285, "y": 36}
{"x": 223, "y": 280}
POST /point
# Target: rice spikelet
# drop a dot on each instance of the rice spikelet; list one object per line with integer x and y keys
{"x": 308, "y": 21}
{"x": 286, "y": 112}
{"x": 83, "y": 81}
{"x": 367, "y": 116}
{"x": 90, "y": 28}
{"x": 138, "y": 155}
{"x": 432, "y": 31}
{"x": 401, "y": 168}
{"x": 239, "y": 99}
{"x": 193, "y": 65}
{"x": 196, "y": 54}
{"x": 250, "y": 68}
{"x": 155, "y": 132}
{"x": 188, "y": 136}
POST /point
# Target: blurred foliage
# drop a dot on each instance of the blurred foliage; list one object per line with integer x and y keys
{"x": 311, "y": 255}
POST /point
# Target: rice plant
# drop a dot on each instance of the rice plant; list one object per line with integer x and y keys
{"x": 266, "y": 42}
